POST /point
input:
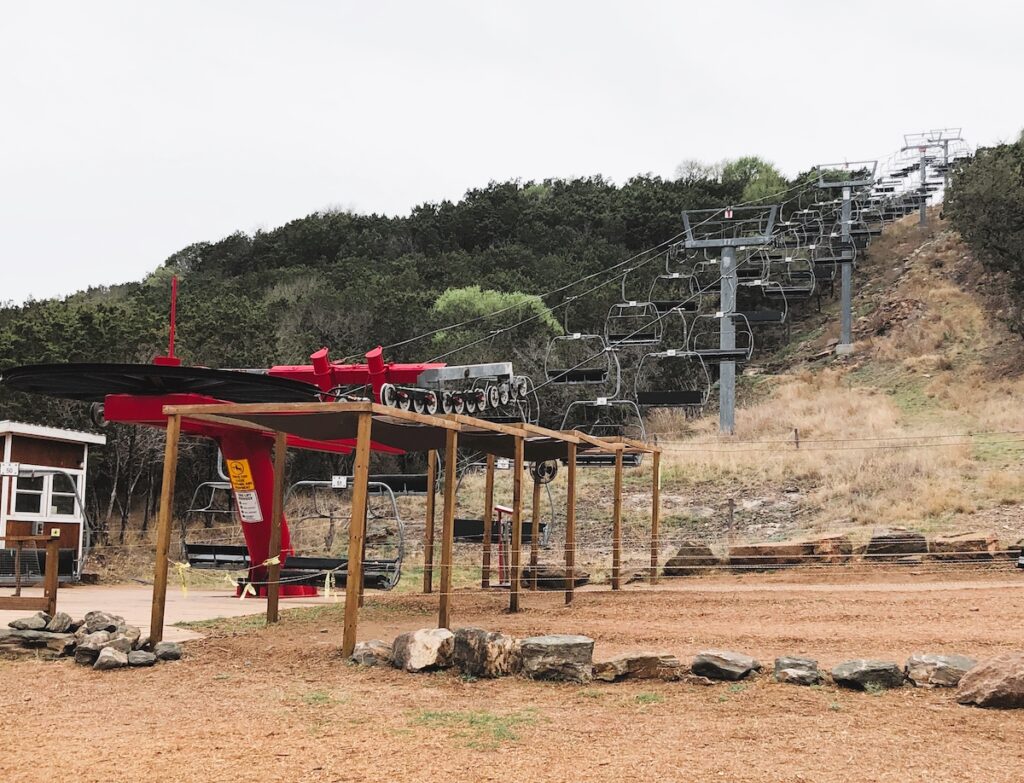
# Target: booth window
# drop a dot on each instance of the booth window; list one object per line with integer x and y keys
{"x": 62, "y": 495}
{"x": 50, "y": 495}
{"x": 28, "y": 494}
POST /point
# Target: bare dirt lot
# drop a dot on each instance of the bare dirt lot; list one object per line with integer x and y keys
{"x": 279, "y": 704}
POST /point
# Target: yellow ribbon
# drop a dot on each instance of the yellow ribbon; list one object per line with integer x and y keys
{"x": 275, "y": 560}
{"x": 182, "y": 568}
{"x": 247, "y": 590}
{"x": 328, "y": 584}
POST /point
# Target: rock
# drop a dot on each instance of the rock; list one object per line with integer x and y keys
{"x": 864, "y": 674}
{"x": 893, "y": 543}
{"x": 997, "y": 682}
{"x": 566, "y": 657}
{"x": 724, "y": 665}
{"x": 483, "y": 653}
{"x": 141, "y": 658}
{"x": 427, "y": 648}
{"x": 639, "y": 666}
{"x": 132, "y": 633}
{"x": 36, "y": 622}
{"x": 372, "y": 653}
{"x": 695, "y": 679}
{"x": 119, "y": 643}
{"x": 86, "y": 656}
{"x": 945, "y": 671}
{"x": 552, "y": 577}
{"x": 833, "y": 549}
{"x": 110, "y": 658}
{"x": 770, "y": 555}
{"x": 964, "y": 547}
{"x": 101, "y": 621}
{"x": 59, "y": 623}
{"x": 143, "y": 643}
{"x": 797, "y": 671}
{"x": 691, "y": 558}
{"x": 167, "y": 651}
{"x": 40, "y": 644}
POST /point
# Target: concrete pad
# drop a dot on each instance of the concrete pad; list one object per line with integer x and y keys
{"x": 134, "y": 603}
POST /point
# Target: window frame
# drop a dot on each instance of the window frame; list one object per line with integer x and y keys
{"x": 46, "y": 494}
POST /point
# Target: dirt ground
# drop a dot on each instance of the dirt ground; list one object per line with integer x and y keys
{"x": 279, "y": 704}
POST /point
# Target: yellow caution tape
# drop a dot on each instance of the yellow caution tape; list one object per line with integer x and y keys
{"x": 247, "y": 590}
{"x": 328, "y": 583}
{"x": 275, "y": 560}
{"x": 181, "y": 569}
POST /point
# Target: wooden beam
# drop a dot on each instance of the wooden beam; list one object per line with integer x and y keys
{"x": 570, "y": 527}
{"x": 25, "y": 602}
{"x": 535, "y": 535}
{"x": 617, "y": 524}
{"x": 428, "y": 528}
{"x": 485, "y": 564}
{"x": 163, "y": 529}
{"x": 356, "y": 533}
{"x": 276, "y": 513}
{"x": 243, "y": 408}
{"x": 655, "y": 513}
{"x": 451, "y": 461}
{"x": 515, "y": 548}
{"x": 564, "y": 435}
{"x": 50, "y": 580}
{"x": 482, "y": 424}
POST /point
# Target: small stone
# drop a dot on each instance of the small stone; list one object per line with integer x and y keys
{"x": 36, "y": 622}
{"x": 997, "y": 682}
{"x": 797, "y": 671}
{"x": 132, "y": 633}
{"x": 566, "y": 657}
{"x": 481, "y": 653}
{"x": 865, "y": 674}
{"x": 422, "y": 650}
{"x": 724, "y": 665}
{"x": 167, "y": 651}
{"x": 101, "y": 621}
{"x": 59, "y": 623}
{"x": 639, "y": 666}
{"x": 944, "y": 671}
{"x": 372, "y": 653}
{"x": 141, "y": 658}
{"x": 110, "y": 658}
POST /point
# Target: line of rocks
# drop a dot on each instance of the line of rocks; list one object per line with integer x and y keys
{"x": 100, "y": 640}
{"x": 998, "y": 682}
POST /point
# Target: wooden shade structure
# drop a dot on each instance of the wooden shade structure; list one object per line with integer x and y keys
{"x": 371, "y": 425}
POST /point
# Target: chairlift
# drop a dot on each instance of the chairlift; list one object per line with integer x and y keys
{"x": 705, "y": 341}
{"x": 691, "y": 391}
{"x": 633, "y": 323}
{"x": 602, "y": 418}
{"x": 578, "y": 358}
{"x": 674, "y": 292}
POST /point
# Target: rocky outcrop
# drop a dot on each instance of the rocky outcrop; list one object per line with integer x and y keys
{"x": 639, "y": 666}
{"x": 691, "y": 558}
{"x": 833, "y": 549}
{"x": 481, "y": 653}
{"x": 928, "y": 670}
{"x": 565, "y": 657}
{"x": 797, "y": 671}
{"x": 423, "y": 650}
{"x": 752, "y": 557}
{"x": 964, "y": 547}
{"x": 895, "y": 544}
{"x": 866, "y": 674}
{"x": 552, "y": 577}
{"x": 997, "y": 682}
{"x": 724, "y": 665}
{"x": 372, "y": 653}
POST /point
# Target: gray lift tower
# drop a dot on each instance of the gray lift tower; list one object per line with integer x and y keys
{"x": 728, "y": 230}
{"x": 937, "y": 139}
{"x": 849, "y": 175}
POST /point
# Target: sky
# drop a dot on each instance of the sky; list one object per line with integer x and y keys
{"x": 130, "y": 130}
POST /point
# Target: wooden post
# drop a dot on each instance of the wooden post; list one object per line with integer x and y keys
{"x": 451, "y": 446}
{"x": 516, "y": 544}
{"x": 50, "y": 579}
{"x": 356, "y": 533}
{"x": 535, "y": 535}
{"x": 276, "y": 513}
{"x": 570, "y": 527}
{"x": 428, "y": 530}
{"x": 485, "y": 568}
{"x": 163, "y": 529}
{"x": 617, "y": 523}
{"x": 655, "y": 513}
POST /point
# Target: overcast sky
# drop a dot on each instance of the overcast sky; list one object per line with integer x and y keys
{"x": 129, "y": 130}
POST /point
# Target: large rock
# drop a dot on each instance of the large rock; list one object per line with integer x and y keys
{"x": 997, "y": 682}
{"x": 865, "y": 674}
{"x": 372, "y": 653}
{"x": 552, "y": 577}
{"x": 36, "y": 622}
{"x": 141, "y": 658}
{"x": 483, "y": 653}
{"x": 797, "y": 671}
{"x": 567, "y": 657}
{"x": 109, "y": 658}
{"x": 724, "y": 665}
{"x": 639, "y": 666}
{"x": 895, "y": 544}
{"x": 691, "y": 558}
{"x": 60, "y": 623}
{"x": 167, "y": 651}
{"x": 120, "y": 643}
{"x": 101, "y": 621}
{"x": 38, "y": 644}
{"x": 752, "y": 557}
{"x": 427, "y": 648}
{"x": 833, "y": 549}
{"x": 964, "y": 547}
{"x": 945, "y": 671}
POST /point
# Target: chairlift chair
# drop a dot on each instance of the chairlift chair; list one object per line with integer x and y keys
{"x": 692, "y": 393}
{"x": 578, "y": 358}
{"x": 704, "y": 342}
{"x": 633, "y": 323}
{"x": 604, "y": 417}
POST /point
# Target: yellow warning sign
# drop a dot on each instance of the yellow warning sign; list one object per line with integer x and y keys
{"x": 240, "y": 475}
